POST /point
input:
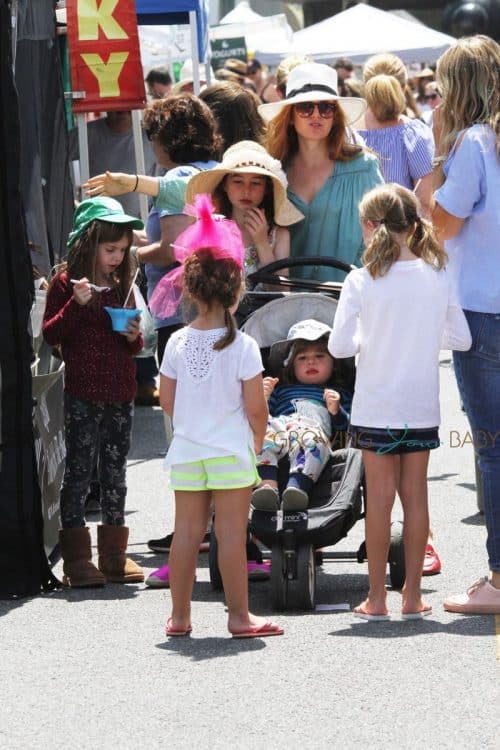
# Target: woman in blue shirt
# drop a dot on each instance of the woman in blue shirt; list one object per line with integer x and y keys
{"x": 405, "y": 146}
{"x": 467, "y": 216}
{"x": 327, "y": 175}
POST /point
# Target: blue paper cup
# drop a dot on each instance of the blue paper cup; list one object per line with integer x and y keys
{"x": 120, "y": 316}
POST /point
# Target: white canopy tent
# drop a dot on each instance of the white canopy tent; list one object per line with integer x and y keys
{"x": 241, "y": 13}
{"x": 359, "y": 32}
{"x": 269, "y": 32}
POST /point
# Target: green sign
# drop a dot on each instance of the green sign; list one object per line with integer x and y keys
{"x": 222, "y": 49}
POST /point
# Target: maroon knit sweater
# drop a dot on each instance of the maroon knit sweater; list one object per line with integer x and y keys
{"x": 99, "y": 364}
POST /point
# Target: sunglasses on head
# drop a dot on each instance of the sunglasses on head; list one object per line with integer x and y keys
{"x": 325, "y": 109}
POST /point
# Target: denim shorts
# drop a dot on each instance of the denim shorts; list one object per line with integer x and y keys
{"x": 392, "y": 442}
{"x": 224, "y": 473}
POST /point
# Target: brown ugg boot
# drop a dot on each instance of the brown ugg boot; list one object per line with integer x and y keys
{"x": 76, "y": 551}
{"x": 113, "y": 562}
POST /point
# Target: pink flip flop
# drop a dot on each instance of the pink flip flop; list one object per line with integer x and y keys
{"x": 170, "y": 631}
{"x": 259, "y": 631}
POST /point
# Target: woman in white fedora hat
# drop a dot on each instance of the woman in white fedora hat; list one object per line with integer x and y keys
{"x": 249, "y": 186}
{"x": 327, "y": 175}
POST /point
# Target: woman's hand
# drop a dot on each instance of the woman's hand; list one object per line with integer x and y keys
{"x": 269, "y": 386}
{"x": 110, "y": 183}
{"x": 82, "y": 292}
{"x": 332, "y": 400}
{"x": 133, "y": 329}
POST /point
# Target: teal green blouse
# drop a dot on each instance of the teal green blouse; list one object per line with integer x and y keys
{"x": 331, "y": 227}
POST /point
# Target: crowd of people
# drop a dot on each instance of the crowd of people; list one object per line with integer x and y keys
{"x": 310, "y": 162}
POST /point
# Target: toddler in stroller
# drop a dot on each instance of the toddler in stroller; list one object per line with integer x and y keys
{"x": 305, "y": 411}
{"x": 335, "y": 500}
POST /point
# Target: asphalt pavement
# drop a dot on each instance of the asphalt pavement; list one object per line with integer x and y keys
{"x": 93, "y": 669}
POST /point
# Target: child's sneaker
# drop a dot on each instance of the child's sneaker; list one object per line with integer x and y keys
{"x": 159, "y": 579}
{"x": 293, "y": 498}
{"x": 258, "y": 571}
{"x": 266, "y": 498}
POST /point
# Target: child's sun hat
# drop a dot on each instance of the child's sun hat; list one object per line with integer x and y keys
{"x": 304, "y": 330}
{"x": 100, "y": 209}
{"x": 248, "y": 157}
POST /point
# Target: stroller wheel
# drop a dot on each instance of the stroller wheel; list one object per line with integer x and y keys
{"x": 213, "y": 564}
{"x": 396, "y": 559}
{"x": 278, "y": 577}
{"x": 293, "y": 578}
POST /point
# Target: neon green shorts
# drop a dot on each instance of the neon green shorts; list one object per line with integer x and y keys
{"x": 225, "y": 473}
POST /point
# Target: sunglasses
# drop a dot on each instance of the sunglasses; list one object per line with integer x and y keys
{"x": 325, "y": 109}
{"x": 428, "y": 97}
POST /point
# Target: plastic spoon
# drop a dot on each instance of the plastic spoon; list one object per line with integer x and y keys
{"x": 93, "y": 286}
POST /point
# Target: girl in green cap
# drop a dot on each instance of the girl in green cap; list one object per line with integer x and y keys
{"x": 99, "y": 386}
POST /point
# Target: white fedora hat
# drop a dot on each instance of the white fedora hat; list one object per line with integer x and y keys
{"x": 314, "y": 82}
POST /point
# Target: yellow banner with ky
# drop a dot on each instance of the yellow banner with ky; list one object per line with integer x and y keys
{"x": 105, "y": 58}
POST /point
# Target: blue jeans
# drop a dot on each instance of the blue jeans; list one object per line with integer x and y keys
{"x": 478, "y": 377}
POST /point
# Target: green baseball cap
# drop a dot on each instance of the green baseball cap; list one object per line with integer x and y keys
{"x": 101, "y": 209}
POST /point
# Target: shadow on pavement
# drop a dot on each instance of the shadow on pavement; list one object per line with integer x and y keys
{"x": 475, "y": 520}
{"x": 468, "y": 625}
{"x": 203, "y": 649}
{"x": 441, "y": 477}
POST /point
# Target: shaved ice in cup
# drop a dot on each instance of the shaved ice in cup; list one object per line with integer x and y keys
{"x": 120, "y": 316}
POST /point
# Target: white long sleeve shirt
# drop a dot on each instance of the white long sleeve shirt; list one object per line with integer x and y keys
{"x": 396, "y": 325}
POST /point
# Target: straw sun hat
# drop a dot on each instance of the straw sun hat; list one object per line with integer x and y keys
{"x": 248, "y": 157}
{"x": 314, "y": 82}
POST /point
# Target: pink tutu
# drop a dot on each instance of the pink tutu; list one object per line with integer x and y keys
{"x": 219, "y": 235}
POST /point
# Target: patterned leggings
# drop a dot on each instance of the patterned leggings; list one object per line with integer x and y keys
{"x": 95, "y": 431}
{"x": 306, "y": 444}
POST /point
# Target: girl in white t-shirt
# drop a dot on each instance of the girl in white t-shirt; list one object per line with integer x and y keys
{"x": 396, "y": 313}
{"x": 211, "y": 386}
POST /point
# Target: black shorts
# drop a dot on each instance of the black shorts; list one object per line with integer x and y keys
{"x": 392, "y": 442}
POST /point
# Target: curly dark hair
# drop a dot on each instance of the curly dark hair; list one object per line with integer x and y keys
{"x": 185, "y": 128}
{"x": 208, "y": 280}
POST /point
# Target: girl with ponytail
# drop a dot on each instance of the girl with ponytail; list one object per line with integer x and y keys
{"x": 212, "y": 388}
{"x": 396, "y": 314}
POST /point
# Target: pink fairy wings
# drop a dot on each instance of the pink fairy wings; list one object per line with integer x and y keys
{"x": 220, "y": 236}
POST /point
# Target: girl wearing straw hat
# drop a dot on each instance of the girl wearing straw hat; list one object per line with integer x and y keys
{"x": 249, "y": 186}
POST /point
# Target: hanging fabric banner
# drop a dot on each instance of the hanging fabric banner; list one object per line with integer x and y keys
{"x": 105, "y": 58}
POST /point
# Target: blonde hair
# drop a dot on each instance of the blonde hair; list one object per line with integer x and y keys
{"x": 395, "y": 210}
{"x": 385, "y": 97}
{"x": 391, "y": 65}
{"x": 388, "y": 64}
{"x": 284, "y": 68}
{"x": 468, "y": 77}
{"x": 282, "y": 141}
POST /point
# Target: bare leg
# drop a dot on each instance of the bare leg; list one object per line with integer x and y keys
{"x": 191, "y": 516}
{"x": 231, "y": 520}
{"x": 413, "y": 492}
{"x": 381, "y": 477}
